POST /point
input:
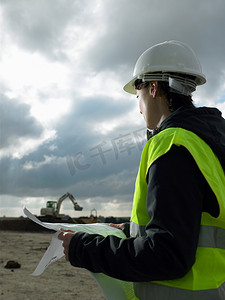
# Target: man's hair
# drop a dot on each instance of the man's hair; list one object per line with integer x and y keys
{"x": 175, "y": 100}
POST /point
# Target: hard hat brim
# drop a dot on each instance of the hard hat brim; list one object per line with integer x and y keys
{"x": 129, "y": 87}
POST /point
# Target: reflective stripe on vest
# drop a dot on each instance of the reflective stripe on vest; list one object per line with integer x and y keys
{"x": 151, "y": 291}
{"x": 210, "y": 236}
{"x": 210, "y": 255}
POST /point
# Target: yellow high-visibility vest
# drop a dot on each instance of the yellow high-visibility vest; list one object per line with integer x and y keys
{"x": 208, "y": 271}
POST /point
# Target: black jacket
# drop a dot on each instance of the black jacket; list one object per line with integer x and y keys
{"x": 177, "y": 195}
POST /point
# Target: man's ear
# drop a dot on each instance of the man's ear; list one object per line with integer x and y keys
{"x": 154, "y": 88}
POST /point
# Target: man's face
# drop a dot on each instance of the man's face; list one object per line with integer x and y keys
{"x": 149, "y": 106}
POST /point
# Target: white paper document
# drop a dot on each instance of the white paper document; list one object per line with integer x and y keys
{"x": 113, "y": 289}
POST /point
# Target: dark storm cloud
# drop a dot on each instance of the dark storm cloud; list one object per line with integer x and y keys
{"x": 77, "y": 131}
{"x": 98, "y": 109}
{"x": 16, "y": 122}
{"x": 115, "y": 177}
{"x": 76, "y": 148}
{"x": 39, "y": 25}
{"x": 77, "y": 164}
{"x": 140, "y": 25}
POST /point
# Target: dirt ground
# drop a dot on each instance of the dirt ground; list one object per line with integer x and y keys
{"x": 59, "y": 281}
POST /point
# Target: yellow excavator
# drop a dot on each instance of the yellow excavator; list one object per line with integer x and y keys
{"x": 53, "y": 207}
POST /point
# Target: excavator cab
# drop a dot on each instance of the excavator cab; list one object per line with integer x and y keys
{"x": 50, "y": 209}
{"x": 50, "y": 204}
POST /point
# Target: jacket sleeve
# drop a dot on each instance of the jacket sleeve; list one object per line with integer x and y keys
{"x": 174, "y": 202}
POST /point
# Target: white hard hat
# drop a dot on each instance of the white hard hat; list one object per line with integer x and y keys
{"x": 170, "y": 59}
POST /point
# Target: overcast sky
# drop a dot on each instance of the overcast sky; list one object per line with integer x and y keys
{"x": 66, "y": 123}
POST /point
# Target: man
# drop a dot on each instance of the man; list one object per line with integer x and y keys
{"x": 176, "y": 247}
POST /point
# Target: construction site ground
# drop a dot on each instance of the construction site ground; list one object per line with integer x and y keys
{"x": 59, "y": 281}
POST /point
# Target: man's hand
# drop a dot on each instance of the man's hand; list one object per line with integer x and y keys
{"x": 66, "y": 237}
{"x": 118, "y": 226}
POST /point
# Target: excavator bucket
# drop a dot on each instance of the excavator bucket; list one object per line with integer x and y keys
{"x": 77, "y": 207}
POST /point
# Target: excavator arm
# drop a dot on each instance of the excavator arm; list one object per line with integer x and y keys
{"x": 70, "y": 196}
